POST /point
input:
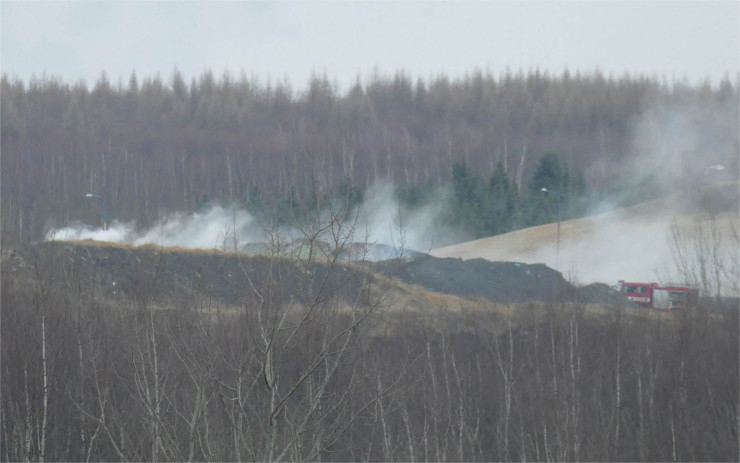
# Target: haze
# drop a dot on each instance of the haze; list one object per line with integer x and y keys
{"x": 690, "y": 41}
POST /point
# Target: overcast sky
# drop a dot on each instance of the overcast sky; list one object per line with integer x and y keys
{"x": 691, "y": 40}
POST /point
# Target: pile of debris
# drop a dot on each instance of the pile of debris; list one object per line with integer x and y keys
{"x": 122, "y": 270}
{"x": 509, "y": 282}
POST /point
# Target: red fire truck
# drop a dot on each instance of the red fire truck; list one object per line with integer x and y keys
{"x": 656, "y": 296}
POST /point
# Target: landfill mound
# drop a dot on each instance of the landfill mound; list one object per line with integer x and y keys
{"x": 175, "y": 273}
{"x": 124, "y": 270}
{"x": 304, "y": 249}
{"x": 509, "y": 282}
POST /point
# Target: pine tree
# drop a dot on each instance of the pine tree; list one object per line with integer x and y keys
{"x": 549, "y": 174}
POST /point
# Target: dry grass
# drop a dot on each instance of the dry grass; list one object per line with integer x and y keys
{"x": 144, "y": 247}
{"x": 630, "y": 243}
{"x": 520, "y": 244}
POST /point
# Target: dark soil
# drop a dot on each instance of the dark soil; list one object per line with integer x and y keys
{"x": 176, "y": 275}
{"x": 172, "y": 274}
{"x": 496, "y": 281}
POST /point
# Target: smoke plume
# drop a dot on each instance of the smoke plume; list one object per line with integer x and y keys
{"x": 203, "y": 230}
{"x": 379, "y": 220}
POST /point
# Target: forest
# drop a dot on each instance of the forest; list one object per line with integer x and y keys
{"x": 111, "y": 352}
{"x": 488, "y": 143}
{"x": 317, "y": 359}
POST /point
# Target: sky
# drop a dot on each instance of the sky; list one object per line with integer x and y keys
{"x": 350, "y": 40}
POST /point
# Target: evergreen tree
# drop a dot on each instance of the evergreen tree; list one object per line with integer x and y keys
{"x": 549, "y": 174}
{"x": 469, "y": 193}
{"x": 500, "y": 202}
{"x": 498, "y": 185}
{"x": 415, "y": 195}
{"x": 460, "y": 182}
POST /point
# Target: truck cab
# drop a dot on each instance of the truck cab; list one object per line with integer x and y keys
{"x": 661, "y": 297}
{"x": 639, "y": 293}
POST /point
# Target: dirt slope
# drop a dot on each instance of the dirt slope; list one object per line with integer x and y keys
{"x": 496, "y": 281}
{"x": 631, "y": 243}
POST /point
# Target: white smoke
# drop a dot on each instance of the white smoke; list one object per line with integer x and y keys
{"x": 653, "y": 242}
{"x": 117, "y": 233}
{"x": 380, "y": 219}
{"x": 207, "y": 230}
{"x": 613, "y": 249}
{"x": 675, "y": 145}
{"x": 674, "y": 149}
{"x": 384, "y": 220}
{"x": 215, "y": 228}
{"x": 701, "y": 250}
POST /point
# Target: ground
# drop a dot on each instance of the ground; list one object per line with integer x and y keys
{"x": 125, "y": 271}
{"x": 633, "y": 243}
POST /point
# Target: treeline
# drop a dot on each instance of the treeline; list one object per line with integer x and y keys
{"x": 471, "y": 203}
{"x": 329, "y": 374}
{"x": 499, "y": 206}
{"x": 152, "y": 145}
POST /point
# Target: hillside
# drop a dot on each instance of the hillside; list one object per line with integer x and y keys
{"x": 633, "y": 243}
{"x": 162, "y": 146}
{"x": 237, "y": 300}
{"x": 123, "y": 273}
{"x": 240, "y": 348}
